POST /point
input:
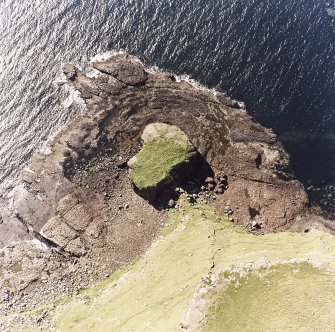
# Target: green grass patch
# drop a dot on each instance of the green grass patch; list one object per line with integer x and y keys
{"x": 156, "y": 159}
{"x": 299, "y": 292}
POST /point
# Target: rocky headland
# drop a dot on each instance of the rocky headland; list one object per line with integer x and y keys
{"x": 150, "y": 145}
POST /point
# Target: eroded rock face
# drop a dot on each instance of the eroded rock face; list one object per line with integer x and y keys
{"x": 72, "y": 229}
{"x": 79, "y": 201}
{"x": 126, "y": 71}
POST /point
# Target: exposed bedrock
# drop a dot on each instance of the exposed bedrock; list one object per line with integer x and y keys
{"x": 79, "y": 201}
{"x": 226, "y": 137}
{"x": 89, "y": 158}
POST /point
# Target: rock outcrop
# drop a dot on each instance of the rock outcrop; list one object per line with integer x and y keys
{"x": 166, "y": 152}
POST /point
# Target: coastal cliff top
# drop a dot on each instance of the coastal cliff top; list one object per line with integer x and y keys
{"x": 116, "y": 173}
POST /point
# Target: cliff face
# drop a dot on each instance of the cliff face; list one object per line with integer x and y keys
{"x": 79, "y": 202}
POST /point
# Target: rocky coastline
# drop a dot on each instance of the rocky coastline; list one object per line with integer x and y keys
{"x": 77, "y": 216}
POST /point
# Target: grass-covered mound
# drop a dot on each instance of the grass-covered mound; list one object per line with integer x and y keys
{"x": 165, "y": 147}
{"x": 287, "y": 297}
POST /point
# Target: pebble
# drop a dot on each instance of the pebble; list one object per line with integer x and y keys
{"x": 210, "y": 186}
{"x": 209, "y": 180}
{"x": 256, "y": 224}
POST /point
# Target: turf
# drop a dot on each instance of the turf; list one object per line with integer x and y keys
{"x": 156, "y": 159}
{"x": 288, "y": 297}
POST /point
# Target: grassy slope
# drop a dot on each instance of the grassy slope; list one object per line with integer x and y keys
{"x": 289, "y": 297}
{"x": 155, "y": 293}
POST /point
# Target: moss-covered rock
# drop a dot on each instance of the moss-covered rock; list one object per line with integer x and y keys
{"x": 165, "y": 149}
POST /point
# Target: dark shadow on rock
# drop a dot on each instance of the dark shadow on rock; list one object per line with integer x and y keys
{"x": 253, "y": 213}
{"x": 189, "y": 178}
{"x": 258, "y": 161}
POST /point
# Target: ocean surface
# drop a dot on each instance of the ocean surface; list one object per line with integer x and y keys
{"x": 275, "y": 55}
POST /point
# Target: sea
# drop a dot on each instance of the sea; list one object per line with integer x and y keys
{"x": 277, "y": 56}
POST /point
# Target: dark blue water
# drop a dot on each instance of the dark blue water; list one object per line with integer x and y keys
{"x": 276, "y": 55}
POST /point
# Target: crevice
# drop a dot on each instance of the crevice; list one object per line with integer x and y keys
{"x": 21, "y": 220}
{"x": 38, "y": 236}
{"x": 258, "y": 181}
{"x": 50, "y": 244}
{"x": 253, "y": 213}
{"x": 258, "y": 161}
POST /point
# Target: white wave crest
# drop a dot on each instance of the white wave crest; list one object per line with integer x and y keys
{"x": 196, "y": 84}
{"x": 153, "y": 70}
{"x": 104, "y": 56}
{"x": 179, "y": 78}
{"x": 74, "y": 96}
